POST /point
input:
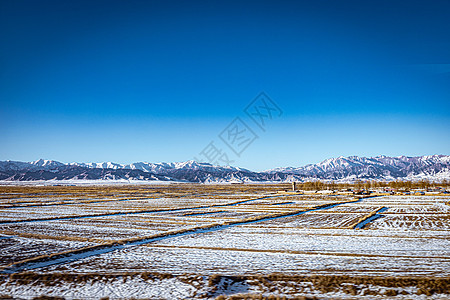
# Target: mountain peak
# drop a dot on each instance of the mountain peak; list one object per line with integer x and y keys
{"x": 46, "y": 163}
{"x": 434, "y": 167}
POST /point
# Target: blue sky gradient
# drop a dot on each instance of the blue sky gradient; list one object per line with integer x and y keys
{"x": 129, "y": 81}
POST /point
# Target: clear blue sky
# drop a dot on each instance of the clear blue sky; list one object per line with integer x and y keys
{"x": 129, "y": 81}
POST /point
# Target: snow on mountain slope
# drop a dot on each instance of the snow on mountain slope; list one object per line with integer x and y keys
{"x": 434, "y": 167}
{"x": 380, "y": 167}
{"x": 40, "y": 164}
{"x": 48, "y": 164}
{"x": 10, "y": 165}
{"x": 157, "y": 167}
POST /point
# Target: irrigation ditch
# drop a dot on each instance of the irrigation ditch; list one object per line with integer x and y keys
{"x": 90, "y": 251}
{"x": 74, "y": 217}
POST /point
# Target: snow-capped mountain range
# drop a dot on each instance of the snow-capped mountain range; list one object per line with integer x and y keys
{"x": 378, "y": 168}
{"x": 432, "y": 167}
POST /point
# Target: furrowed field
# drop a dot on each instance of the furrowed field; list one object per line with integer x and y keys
{"x": 186, "y": 241}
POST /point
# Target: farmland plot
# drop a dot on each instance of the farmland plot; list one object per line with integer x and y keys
{"x": 15, "y": 249}
{"x": 197, "y": 241}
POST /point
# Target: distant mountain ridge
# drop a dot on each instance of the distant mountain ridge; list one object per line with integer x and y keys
{"x": 378, "y": 168}
{"x": 432, "y": 167}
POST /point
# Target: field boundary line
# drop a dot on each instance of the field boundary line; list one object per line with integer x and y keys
{"x": 134, "y": 212}
{"x": 294, "y": 252}
{"x": 372, "y": 216}
{"x": 77, "y": 203}
{"x": 65, "y": 256}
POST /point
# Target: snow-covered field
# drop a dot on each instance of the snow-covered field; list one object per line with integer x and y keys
{"x": 179, "y": 242}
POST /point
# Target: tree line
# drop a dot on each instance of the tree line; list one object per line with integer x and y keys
{"x": 371, "y": 184}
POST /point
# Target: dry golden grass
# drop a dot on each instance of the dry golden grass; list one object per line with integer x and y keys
{"x": 128, "y": 212}
{"x": 261, "y": 297}
{"x": 179, "y": 189}
{"x": 193, "y": 196}
{"x": 353, "y": 285}
{"x": 371, "y": 214}
{"x": 50, "y": 237}
{"x": 53, "y": 256}
{"x": 328, "y": 253}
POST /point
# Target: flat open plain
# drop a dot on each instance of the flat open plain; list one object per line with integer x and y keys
{"x": 186, "y": 241}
